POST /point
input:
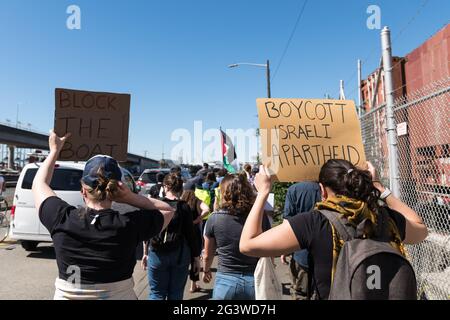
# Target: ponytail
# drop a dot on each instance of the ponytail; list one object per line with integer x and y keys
{"x": 105, "y": 189}
{"x": 343, "y": 178}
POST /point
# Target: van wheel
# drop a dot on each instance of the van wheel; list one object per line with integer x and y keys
{"x": 29, "y": 245}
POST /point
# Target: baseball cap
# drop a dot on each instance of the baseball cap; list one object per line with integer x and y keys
{"x": 107, "y": 165}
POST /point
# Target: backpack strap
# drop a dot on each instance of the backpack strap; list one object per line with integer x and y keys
{"x": 346, "y": 232}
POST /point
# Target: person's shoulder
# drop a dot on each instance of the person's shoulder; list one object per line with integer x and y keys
{"x": 398, "y": 218}
{"x": 54, "y": 202}
{"x": 218, "y": 216}
{"x": 312, "y": 218}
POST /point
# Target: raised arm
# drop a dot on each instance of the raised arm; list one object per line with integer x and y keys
{"x": 416, "y": 230}
{"x": 124, "y": 195}
{"x": 41, "y": 183}
{"x": 274, "y": 242}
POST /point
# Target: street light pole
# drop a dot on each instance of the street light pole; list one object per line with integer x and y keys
{"x": 267, "y": 66}
{"x": 268, "y": 79}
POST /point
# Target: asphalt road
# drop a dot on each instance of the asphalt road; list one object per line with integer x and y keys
{"x": 31, "y": 275}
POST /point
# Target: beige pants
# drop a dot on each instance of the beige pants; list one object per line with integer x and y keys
{"x": 122, "y": 290}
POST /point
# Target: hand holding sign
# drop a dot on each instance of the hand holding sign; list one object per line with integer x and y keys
{"x": 300, "y": 135}
{"x": 263, "y": 180}
{"x": 56, "y": 143}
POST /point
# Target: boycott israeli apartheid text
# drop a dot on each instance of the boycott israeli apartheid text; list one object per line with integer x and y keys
{"x": 98, "y": 122}
{"x": 300, "y": 135}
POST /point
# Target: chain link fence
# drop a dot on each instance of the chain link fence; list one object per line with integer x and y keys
{"x": 423, "y": 133}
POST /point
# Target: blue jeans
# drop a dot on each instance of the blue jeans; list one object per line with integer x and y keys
{"x": 167, "y": 273}
{"x": 234, "y": 286}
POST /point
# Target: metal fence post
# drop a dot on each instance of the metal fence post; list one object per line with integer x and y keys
{"x": 391, "y": 126}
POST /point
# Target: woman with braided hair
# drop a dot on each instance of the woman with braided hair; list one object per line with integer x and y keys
{"x": 350, "y": 191}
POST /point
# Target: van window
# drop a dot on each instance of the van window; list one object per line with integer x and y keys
{"x": 63, "y": 179}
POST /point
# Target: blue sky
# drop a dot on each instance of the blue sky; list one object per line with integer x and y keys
{"x": 172, "y": 56}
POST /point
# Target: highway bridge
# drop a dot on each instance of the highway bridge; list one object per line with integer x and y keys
{"x": 20, "y": 138}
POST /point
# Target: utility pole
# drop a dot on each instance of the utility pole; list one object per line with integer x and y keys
{"x": 391, "y": 126}
{"x": 269, "y": 95}
{"x": 359, "y": 89}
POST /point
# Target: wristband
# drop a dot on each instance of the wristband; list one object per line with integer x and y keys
{"x": 386, "y": 193}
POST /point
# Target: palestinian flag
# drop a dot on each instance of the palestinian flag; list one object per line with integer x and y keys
{"x": 228, "y": 153}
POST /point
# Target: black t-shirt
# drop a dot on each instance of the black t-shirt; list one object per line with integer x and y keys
{"x": 104, "y": 251}
{"x": 183, "y": 222}
{"x": 313, "y": 232}
{"x": 226, "y": 229}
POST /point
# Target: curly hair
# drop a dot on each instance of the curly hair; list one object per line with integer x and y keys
{"x": 237, "y": 195}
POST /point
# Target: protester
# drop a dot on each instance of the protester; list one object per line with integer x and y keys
{"x": 248, "y": 171}
{"x": 235, "y": 273}
{"x": 156, "y": 191}
{"x": 2, "y": 185}
{"x": 176, "y": 169}
{"x": 204, "y": 171}
{"x": 95, "y": 246}
{"x": 171, "y": 252}
{"x": 209, "y": 185}
{"x": 254, "y": 172}
{"x": 199, "y": 211}
{"x": 221, "y": 173}
{"x": 300, "y": 197}
{"x": 354, "y": 194}
{"x": 209, "y": 182}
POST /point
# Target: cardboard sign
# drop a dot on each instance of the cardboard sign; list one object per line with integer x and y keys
{"x": 299, "y": 135}
{"x": 98, "y": 123}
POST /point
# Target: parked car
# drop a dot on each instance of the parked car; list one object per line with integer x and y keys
{"x": 148, "y": 179}
{"x": 25, "y": 224}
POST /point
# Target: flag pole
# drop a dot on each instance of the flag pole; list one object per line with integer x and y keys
{"x": 221, "y": 146}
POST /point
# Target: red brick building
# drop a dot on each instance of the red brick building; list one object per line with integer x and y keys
{"x": 424, "y": 151}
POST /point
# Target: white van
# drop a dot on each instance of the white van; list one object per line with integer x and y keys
{"x": 25, "y": 224}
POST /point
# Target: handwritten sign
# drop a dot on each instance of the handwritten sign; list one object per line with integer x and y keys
{"x": 98, "y": 123}
{"x": 300, "y": 135}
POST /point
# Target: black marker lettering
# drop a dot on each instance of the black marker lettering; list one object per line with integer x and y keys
{"x": 273, "y": 109}
{"x": 101, "y": 128}
{"x": 64, "y": 99}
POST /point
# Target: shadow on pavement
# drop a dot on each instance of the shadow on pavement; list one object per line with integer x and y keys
{"x": 206, "y": 295}
{"x": 43, "y": 253}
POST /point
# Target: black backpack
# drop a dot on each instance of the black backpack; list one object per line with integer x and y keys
{"x": 369, "y": 269}
{"x": 172, "y": 237}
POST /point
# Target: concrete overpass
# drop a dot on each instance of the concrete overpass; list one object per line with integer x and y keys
{"x": 16, "y": 137}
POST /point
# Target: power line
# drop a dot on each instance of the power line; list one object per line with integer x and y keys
{"x": 396, "y": 37}
{"x": 290, "y": 38}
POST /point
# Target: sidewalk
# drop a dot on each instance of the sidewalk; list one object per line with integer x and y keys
{"x": 142, "y": 290}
